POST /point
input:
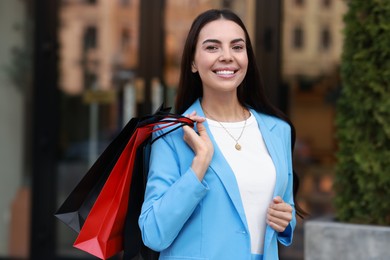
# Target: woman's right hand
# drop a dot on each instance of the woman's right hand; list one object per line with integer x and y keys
{"x": 200, "y": 143}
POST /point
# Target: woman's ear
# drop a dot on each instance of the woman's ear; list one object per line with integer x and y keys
{"x": 194, "y": 69}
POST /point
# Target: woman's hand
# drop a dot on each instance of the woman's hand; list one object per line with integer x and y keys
{"x": 279, "y": 214}
{"x": 200, "y": 143}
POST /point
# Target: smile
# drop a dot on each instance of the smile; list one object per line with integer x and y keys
{"x": 225, "y": 72}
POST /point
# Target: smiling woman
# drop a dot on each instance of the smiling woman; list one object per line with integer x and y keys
{"x": 225, "y": 189}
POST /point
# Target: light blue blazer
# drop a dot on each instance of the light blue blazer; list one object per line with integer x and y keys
{"x": 184, "y": 218}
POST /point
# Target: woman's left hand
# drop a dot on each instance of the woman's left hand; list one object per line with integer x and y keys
{"x": 279, "y": 214}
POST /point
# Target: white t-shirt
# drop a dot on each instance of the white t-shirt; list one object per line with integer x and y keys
{"x": 254, "y": 171}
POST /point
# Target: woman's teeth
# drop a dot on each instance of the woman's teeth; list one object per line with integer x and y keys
{"x": 224, "y": 72}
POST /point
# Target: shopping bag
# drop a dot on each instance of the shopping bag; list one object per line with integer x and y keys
{"x": 102, "y": 232}
{"x": 133, "y": 244}
{"x": 75, "y": 209}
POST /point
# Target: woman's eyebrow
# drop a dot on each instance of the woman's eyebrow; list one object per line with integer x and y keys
{"x": 211, "y": 40}
{"x": 218, "y": 41}
{"x": 237, "y": 40}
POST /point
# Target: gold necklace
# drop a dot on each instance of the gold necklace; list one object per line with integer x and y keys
{"x": 237, "y": 146}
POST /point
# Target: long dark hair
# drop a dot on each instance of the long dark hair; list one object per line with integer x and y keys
{"x": 251, "y": 91}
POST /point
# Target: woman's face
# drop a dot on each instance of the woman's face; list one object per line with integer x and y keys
{"x": 220, "y": 56}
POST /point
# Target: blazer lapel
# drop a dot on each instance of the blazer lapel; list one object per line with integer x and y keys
{"x": 222, "y": 169}
{"x": 274, "y": 145}
{"x": 275, "y": 148}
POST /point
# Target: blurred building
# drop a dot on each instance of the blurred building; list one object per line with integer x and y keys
{"x": 312, "y": 37}
{"x": 312, "y": 46}
{"x": 98, "y": 39}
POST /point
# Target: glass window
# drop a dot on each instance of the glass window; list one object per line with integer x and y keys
{"x": 327, "y": 3}
{"x": 298, "y": 37}
{"x": 326, "y": 38}
{"x": 299, "y": 2}
{"x": 227, "y": 3}
{"x": 90, "y": 37}
{"x": 16, "y": 66}
{"x": 124, "y": 2}
{"x": 125, "y": 39}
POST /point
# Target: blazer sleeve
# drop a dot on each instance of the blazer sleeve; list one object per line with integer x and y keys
{"x": 172, "y": 192}
{"x": 286, "y": 236}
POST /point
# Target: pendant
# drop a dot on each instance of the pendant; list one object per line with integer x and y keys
{"x": 238, "y": 147}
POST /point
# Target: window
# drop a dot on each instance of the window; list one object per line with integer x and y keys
{"x": 326, "y": 3}
{"x": 90, "y": 38}
{"x": 299, "y": 2}
{"x": 298, "y": 37}
{"x": 325, "y": 38}
{"x": 90, "y": 80}
{"x": 124, "y": 2}
{"x": 227, "y": 4}
{"x": 125, "y": 39}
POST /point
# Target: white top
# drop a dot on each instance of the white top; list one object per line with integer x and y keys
{"x": 253, "y": 169}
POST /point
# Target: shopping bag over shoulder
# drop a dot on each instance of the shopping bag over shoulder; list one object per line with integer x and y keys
{"x": 102, "y": 232}
{"x": 78, "y": 204}
{"x": 75, "y": 209}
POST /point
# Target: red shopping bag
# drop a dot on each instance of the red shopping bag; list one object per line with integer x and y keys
{"x": 102, "y": 232}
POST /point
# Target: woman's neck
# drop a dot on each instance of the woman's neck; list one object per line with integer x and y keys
{"x": 224, "y": 109}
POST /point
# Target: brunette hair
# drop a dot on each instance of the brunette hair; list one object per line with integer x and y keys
{"x": 250, "y": 92}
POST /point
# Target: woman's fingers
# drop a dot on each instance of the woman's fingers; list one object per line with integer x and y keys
{"x": 279, "y": 214}
{"x": 200, "y": 143}
{"x": 278, "y": 220}
{"x": 190, "y": 136}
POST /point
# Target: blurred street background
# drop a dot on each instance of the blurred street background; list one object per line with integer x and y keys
{"x": 73, "y": 72}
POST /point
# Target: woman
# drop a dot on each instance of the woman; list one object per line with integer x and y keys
{"x": 226, "y": 191}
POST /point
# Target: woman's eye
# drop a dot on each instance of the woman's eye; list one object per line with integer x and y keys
{"x": 211, "y": 48}
{"x": 238, "y": 47}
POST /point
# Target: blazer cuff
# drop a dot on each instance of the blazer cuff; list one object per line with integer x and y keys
{"x": 203, "y": 182}
{"x": 286, "y": 237}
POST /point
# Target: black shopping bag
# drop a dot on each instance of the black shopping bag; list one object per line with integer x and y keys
{"x": 133, "y": 245}
{"x": 75, "y": 209}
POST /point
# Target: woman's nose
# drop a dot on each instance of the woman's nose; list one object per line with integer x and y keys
{"x": 226, "y": 56}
